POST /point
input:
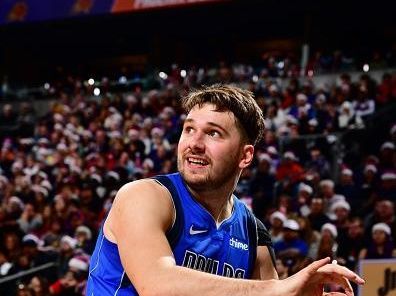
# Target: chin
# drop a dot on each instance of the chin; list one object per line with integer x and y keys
{"x": 195, "y": 180}
{"x": 193, "y": 177}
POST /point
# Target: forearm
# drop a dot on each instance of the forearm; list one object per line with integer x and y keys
{"x": 176, "y": 280}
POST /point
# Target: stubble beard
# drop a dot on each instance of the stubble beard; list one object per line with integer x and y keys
{"x": 209, "y": 180}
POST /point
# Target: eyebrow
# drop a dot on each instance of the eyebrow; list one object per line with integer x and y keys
{"x": 190, "y": 120}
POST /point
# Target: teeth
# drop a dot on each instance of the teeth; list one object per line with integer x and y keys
{"x": 197, "y": 161}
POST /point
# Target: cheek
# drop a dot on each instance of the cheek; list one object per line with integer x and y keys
{"x": 181, "y": 146}
{"x": 221, "y": 155}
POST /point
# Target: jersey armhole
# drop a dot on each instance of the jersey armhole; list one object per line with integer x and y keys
{"x": 173, "y": 204}
{"x": 264, "y": 239}
{"x": 253, "y": 240}
{"x": 173, "y": 234}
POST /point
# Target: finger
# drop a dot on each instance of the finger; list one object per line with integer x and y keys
{"x": 334, "y": 269}
{"x": 309, "y": 272}
{"x": 342, "y": 282}
{"x": 312, "y": 268}
{"x": 345, "y": 284}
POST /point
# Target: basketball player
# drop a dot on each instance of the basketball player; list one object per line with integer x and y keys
{"x": 186, "y": 233}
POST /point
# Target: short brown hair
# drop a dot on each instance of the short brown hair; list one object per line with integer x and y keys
{"x": 241, "y": 102}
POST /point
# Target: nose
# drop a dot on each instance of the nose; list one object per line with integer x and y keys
{"x": 197, "y": 143}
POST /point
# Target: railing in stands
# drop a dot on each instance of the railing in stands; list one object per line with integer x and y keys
{"x": 22, "y": 274}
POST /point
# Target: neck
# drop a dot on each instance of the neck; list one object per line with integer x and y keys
{"x": 218, "y": 202}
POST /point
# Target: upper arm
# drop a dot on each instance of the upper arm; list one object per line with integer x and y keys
{"x": 264, "y": 269}
{"x": 138, "y": 221}
{"x": 265, "y": 261}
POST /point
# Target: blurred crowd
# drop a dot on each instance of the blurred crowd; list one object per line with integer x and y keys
{"x": 60, "y": 172}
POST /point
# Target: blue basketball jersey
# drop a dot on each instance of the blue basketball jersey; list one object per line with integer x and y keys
{"x": 228, "y": 249}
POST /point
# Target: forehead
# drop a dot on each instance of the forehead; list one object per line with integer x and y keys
{"x": 208, "y": 113}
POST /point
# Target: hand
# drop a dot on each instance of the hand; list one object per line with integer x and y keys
{"x": 310, "y": 280}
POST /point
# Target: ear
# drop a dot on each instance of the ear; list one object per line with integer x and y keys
{"x": 246, "y": 156}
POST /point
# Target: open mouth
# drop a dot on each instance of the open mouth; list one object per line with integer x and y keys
{"x": 197, "y": 161}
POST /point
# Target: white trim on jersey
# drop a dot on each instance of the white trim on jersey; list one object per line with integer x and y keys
{"x": 97, "y": 262}
{"x": 119, "y": 286}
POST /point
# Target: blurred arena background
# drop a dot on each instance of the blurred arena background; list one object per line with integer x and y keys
{"x": 89, "y": 100}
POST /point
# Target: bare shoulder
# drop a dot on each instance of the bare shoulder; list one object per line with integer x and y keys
{"x": 140, "y": 201}
{"x": 145, "y": 190}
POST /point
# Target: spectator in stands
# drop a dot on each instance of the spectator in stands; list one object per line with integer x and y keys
{"x": 384, "y": 212}
{"x": 341, "y": 213}
{"x": 289, "y": 171}
{"x": 347, "y": 118}
{"x": 277, "y": 219}
{"x": 38, "y": 286}
{"x": 67, "y": 246}
{"x": 5, "y": 264}
{"x": 387, "y": 187}
{"x": 321, "y": 112}
{"x": 317, "y": 216}
{"x": 291, "y": 249}
{"x": 369, "y": 189}
{"x": 318, "y": 163}
{"x": 291, "y": 246}
{"x": 386, "y": 157}
{"x": 350, "y": 246}
{"x": 78, "y": 265}
{"x": 67, "y": 285}
{"x": 381, "y": 245}
{"x": 275, "y": 117}
{"x": 31, "y": 247}
{"x": 23, "y": 290}
{"x": 327, "y": 245}
{"x": 83, "y": 235}
{"x": 12, "y": 246}
{"x": 30, "y": 220}
{"x": 302, "y": 201}
{"x": 8, "y": 116}
{"x": 349, "y": 189}
{"x": 326, "y": 191}
{"x": 262, "y": 185}
{"x": 384, "y": 94}
{"x": 302, "y": 110}
{"x": 364, "y": 105}
{"x": 309, "y": 235}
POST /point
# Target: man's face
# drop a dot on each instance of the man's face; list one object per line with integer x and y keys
{"x": 210, "y": 150}
{"x": 341, "y": 213}
{"x": 290, "y": 235}
{"x": 316, "y": 206}
{"x": 346, "y": 179}
{"x": 327, "y": 191}
{"x": 379, "y": 237}
{"x": 385, "y": 209}
{"x": 355, "y": 229}
{"x": 315, "y": 154}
